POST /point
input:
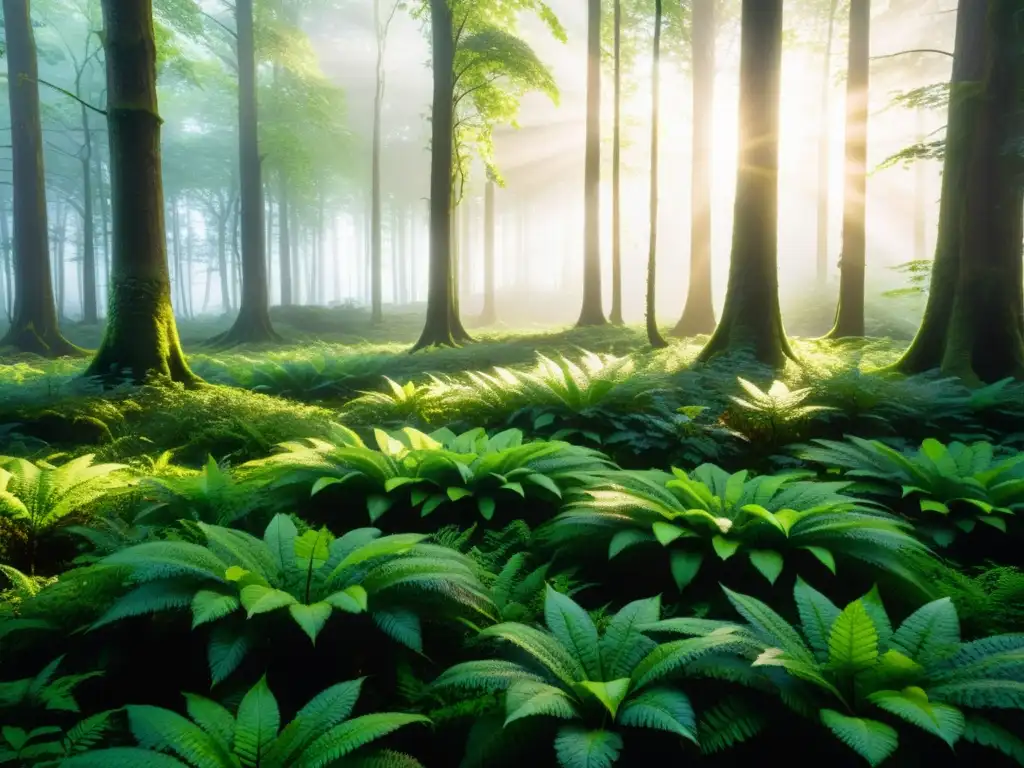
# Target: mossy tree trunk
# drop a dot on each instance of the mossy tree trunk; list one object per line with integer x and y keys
{"x": 253, "y": 322}
{"x": 34, "y": 325}
{"x": 438, "y": 328}
{"x": 699, "y": 311}
{"x": 141, "y": 338}
{"x": 616, "y": 312}
{"x": 592, "y": 311}
{"x": 654, "y": 336}
{"x": 980, "y": 107}
{"x": 850, "y": 310}
{"x": 490, "y": 310}
{"x": 751, "y": 319}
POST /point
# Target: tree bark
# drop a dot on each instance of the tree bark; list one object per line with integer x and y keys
{"x": 253, "y": 321}
{"x": 615, "y": 316}
{"x": 7, "y": 296}
{"x": 654, "y": 336}
{"x": 89, "y": 314}
{"x": 438, "y": 328}
{"x": 751, "y": 319}
{"x": 376, "y": 224}
{"x": 699, "y": 311}
{"x": 592, "y": 311}
{"x": 141, "y": 338}
{"x": 34, "y": 326}
{"x": 223, "y": 213}
{"x": 824, "y": 163}
{"x": 490, "y": 310}
{"x": 850, "y": 311}
{"x": 101, "y": 188}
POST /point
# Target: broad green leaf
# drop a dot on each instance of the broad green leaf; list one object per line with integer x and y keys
{"x": 257, "y": 724}
{"x": 931, "y": 631}
{"x": 817, "y": 615}
{"x": 579, "y": 748}
{"x": 768, "y": 562}
{"x": 724, "y": 548}
{"x": 685, "y": 565}
{"x": 350, "y": 600}
{"x": 574, "y": 629}
{"x": 853, "y": 639}
{"x": 311, "y": 618}
{"x": 664, "y": 709}
{"x": 872, "y": 740}
{"x": 610, "y": 694}
{"x": 259, "y": 599}
{"x": 530, "y": 698}
{"x": 912, "y": 705}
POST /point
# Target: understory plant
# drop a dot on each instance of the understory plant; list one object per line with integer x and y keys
{"x": 597, "y": 682}
{"x": 321, "y": 734}
{"x": 865, "y": 681}
{"x": 395, "y": 579}
{"x": 710, "y": 516}
{"x": 956, "y": 486}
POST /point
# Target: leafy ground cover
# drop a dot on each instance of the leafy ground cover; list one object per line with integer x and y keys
{"x": 555, "y": 549}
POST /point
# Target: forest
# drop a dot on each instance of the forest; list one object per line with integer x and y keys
{"x": 481, "y": 383}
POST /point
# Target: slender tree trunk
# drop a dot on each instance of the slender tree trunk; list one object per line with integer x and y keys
{"x": 189, "y": 254}
{"x": 699, "y": 311}
{"x": 616, "y": 311}
{"x": 60, "y": 236}
{"x": 490, "y": 311}
{"x": 653, "y": 334}
{"x": 34, "y": 326}
{"x": 920, "y": 195}
{"x": 823, "y": 148}
{"x": 751, "y": 319}
{"x": 592, "y": 311}
{"x": 466, "y": 249}
{"x": 141, "y": 338}
{"x": 7, "y": 294}
{"x": 253, "y": 321}
{"x": 927, "y": 349}
{"x": 850, "y": 311}
{"x": 437, "y": 328}
{"x": 223, "y": 213}
{"x": 89, "y": 314}
{"x": 284, "y": 241}
{"x": 376, "y": 225}
{"x": 396, "y": 257}
{"x": 104, "y": 220}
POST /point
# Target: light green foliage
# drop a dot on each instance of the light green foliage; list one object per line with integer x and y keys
{"x": 393, "y": 578}
{"x": 429, "y": 471}
{"x": 773, "y": 417}
{"x": 920, "y": 674}
{"x": 574, "y": 672}
{"x": 211, "y": 495}
{"x": 709, "y": 515}
{"x": 44, "y": 690}
{"x": 322, "y": 733}
{"x": 956, "y": 486}
{"x": 47, "y": 746}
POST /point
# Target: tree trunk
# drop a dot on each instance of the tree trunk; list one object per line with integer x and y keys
{"x": 699, "y": 311}
{"x": 985, "y": 338}
{"x": 592, "y": 311}
{"x": 34, "y": 326}
{"x": 751, "y": 319}
{"x": 823, "y": 148}
{"x": 490, "y": 310}
{"x": 7, "y": 296}
{"x": 223, "y": 214}
{"x": 376, "y": 256}
{"x": 850, "y": 311}
{"x": 253, "y": 321}
{"x": 653, "y": 334}
{"x": 437, "y": 328}
{"x": 104, "y": 220}
{"x": 176, "y": 283}
{"x": 141, "y": 338}
{"x": 970, "y": 53}
{"x": 89, "y": 315}
{"x": 60, "y": 236}
{"x": 920, "y": 194}
{"x": 616, "y": 311}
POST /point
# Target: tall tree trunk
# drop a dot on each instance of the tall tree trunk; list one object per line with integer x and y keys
{"x": 89, "y": 315}
{"x": 177, "y": 281}
{"x": 751, "y": 319}
{"x": 60, "y": 236}
{"x": 396, "y": 257}
{"x": 101, "y": 186}
{"x": 189, "y": 253}
{"x": 824, "y": 175}
{"x": 223, "y": 214}
{"x": 437, "y": 328}
{"x": 592, "y": 311}
{"x": 253, "y": 321}
{"x": 920, "y": 194}
{"x": 490, "y": 311}
{"x": 616, "y": 312}
{"x": 466, "y": 249}
{"x": 376, "y": 225}
{"x": 141, "y": 337}
{"x": 653, "y": 334}
{"x": 850, "y": 311}
{"x": 7, "y": 296}
{"x": 34, "y": 326}
{"x": 699, "y": 311}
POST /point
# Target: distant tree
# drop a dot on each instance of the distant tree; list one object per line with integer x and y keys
{"x": 751, "y": 319}
{"x": 34, "y": 326}
{"x": 653, "y": 334}
{"x": 141, "y": 338}
{"x": 850, "y": 311}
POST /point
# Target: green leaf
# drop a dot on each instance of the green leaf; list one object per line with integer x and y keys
{"x": 579, "y": 748}
{"x": 574, "y": 629}
{"x": 377, "y": 504}
{"x": 666, "y": 533}
{"x": 259, "y": 599}
{"x": 531, "y": 698}
{"x": 486, "y": 506}
{"x": 768, "y": 562}
{"x": 623, "y": 540}
{"x": 772, "y": 627}
{"x": 402, "y": 626}
{"x": 872, "y": 740}
{"x": 456, "y": 494}
{"x": 209, "y": 606}
{"x": 853, "y": 639}
{"x": 664, "y": 709}
{"x": 347, "y": 737}
{"x": 685, "y": 566}
{"x": 724, "y": 548}
{"x": 930, "y": 632}
{"x": 432, "y": 503}
{"x": 257, "y": 724}
{"x": 610, "y": 694}
{"x": 350, "y": 600}
{"x": 311, "y": 618}
{"x": 912, "y": 705}
{"x": 817, "y": 615}
{"x": 228, "y": 647}
{"x": 280, "y": 540}
{"x": 123, "y": 757}
{"x": 824, "y": 556}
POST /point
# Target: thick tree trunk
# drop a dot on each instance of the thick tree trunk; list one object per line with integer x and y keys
{"x": 490, "y": 310}
{"x": 438, "y": 328}
{"x": 824, "y": 175}
{"x": 34, "y": 326}
{"x": 253, "y": 321}
{"x": 616, "y": 312}
{"x": 89, "y": 314}
{"x": 592, "y": 311}
{"x": 653, "y": 334}
{"x": 927, "y": 349}
{"x": 141, "y": 338}
{"x": 751, "y": 319}
{"x": 699, "y": 311}
{"x": 850, "y": 311}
